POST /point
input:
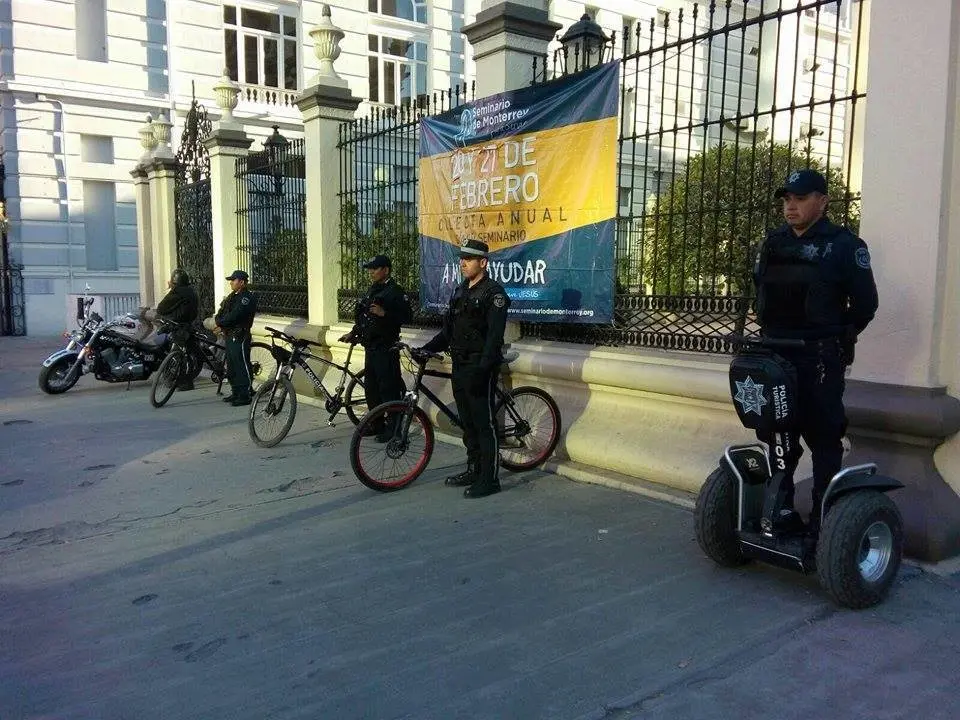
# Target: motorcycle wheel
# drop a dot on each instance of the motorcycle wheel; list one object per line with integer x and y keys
{"x": 58, "y": 378}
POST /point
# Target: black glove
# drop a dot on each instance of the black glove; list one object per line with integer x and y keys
{"x": 848, "y": 343}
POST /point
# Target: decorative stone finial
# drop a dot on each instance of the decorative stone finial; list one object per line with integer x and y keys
{"x": 162, "y": 128}
{"x": 326, "y": 48}
{"x": 148, "y": 140}
{"x": 227, "y": 94}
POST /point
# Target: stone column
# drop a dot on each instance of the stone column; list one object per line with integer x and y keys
{"x": 898, "y": 404}
{"x": 162, "y": 173}
{"x": 141, "y": 190}
{"x": 225, "y": 144}
{"x": 506, "y": 37}
{"x": 325, "y": 104}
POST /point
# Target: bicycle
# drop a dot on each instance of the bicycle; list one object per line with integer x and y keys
{"x": 276, "y": 400}
{"x": 193, "y": 350}
{"x": 528, "y": 429}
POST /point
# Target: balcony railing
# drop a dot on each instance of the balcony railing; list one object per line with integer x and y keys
{"x": 263, "y": 95}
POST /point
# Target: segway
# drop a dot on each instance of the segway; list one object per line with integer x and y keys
{"x": 856, "y": 547}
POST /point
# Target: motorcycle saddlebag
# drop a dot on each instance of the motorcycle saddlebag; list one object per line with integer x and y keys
{"x": 763, "y": 386}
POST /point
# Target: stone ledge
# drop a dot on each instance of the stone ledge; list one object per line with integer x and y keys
{"x": 509, "y": 17}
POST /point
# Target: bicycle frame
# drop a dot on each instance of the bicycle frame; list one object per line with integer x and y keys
{"x": 298, "y": 359}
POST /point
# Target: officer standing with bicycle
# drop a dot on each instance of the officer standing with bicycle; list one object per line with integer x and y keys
{"x": 814, "y": 283}
{"x": 378, "y": 318}
{"x": 234, "y": 320}
{"x": 473, "y": 332}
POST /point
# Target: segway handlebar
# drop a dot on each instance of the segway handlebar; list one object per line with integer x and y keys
{"x": 762, "y": 341}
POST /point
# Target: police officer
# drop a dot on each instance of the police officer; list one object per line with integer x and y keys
{"x": 473, "y": 331}
{"x": 180, "y": 305}
{"x": 378, "y": 318}
{"x": 234, "y": 320}
{"x": 814, "y": 283}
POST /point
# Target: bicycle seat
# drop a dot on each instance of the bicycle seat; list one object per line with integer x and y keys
{"x": 510, "y": 356}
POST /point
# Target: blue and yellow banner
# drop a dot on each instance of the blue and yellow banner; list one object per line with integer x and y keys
{"x": 532, "y": 173}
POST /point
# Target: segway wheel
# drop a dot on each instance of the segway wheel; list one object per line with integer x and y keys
{"x": 715, "y": 519}
{"x": 859, "y": 549}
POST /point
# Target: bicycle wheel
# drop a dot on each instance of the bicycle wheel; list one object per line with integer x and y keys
{"x": 272, "y": 412}
{"x": 394, "y": 464}
{"x": 528, "y": 422}
{"x": 355, "y": 398}
{"x": 168, "y": 375}
{"x": 263, "y": 366}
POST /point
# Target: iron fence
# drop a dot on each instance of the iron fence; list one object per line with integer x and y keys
{"x": 379, "y": 168}
{"x": 719, "y": 103}
{"x": 12, "y": 307}
{"x": 271, "y": 224}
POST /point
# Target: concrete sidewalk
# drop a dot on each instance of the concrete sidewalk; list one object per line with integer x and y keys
{"x": 157, "y": 564}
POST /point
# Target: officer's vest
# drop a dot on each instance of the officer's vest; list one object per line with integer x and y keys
{"x": 796, "y": 290}
{"x": 469, "y": 321}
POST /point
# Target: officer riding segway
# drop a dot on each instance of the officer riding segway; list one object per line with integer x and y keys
{"x": 815, "y": 294}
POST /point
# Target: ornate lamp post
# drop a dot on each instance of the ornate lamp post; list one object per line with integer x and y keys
{"x": 583, "y": 45}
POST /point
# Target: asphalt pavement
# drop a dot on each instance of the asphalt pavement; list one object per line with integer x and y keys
{"x": 157, "y": 564}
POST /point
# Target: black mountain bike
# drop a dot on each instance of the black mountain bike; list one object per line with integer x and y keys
{"x": 193, "y": 350}
{"x": 274, "y": 406}
{"x": 528, "y": 429}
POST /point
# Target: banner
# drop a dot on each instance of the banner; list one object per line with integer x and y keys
{"x": 532, "y": 173}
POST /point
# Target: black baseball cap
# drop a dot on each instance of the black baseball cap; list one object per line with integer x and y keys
{"x": 377, "y": 261}
{"x": 239, "y": 275}
{"x": 803, "y": 182}
{"x": 473, "y": 249}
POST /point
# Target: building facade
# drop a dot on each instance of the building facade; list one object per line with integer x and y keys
{"x": 79, "y": 77}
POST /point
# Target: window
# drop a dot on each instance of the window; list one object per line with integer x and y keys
{"x": 415, "y": 10}
{"x": 100, "y": 224}
{"x": 260, "y": 47}
{"x": 96, "y": 149}
{"x": 91, "y": 23}
{"x": 398, "y": 70}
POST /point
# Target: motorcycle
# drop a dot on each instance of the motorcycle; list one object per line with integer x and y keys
{"x": 119, "y": 350}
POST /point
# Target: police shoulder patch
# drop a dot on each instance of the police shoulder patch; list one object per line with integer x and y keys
{"x": 499, "y": 300}
{"x": 862, "y": 257}
{"x": 245, "y": 301}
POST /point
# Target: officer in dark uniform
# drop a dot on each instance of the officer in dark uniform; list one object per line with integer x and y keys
{"x": 473, "y": 331}
{"x": 378, "y": 318}
{"x": 234, "y": 320}
{"x": 180, "y": 305}
{"x": 814, "y": 282}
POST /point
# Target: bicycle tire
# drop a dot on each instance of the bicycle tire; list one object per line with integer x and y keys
{"x": 263, "y": 365}
{"x": 529, "y": 430}
{"x": 168, "y": 375}
{"x": 272, "y": 400}
{"x": 370, "y": 459}
{"x": 350, "y": 403}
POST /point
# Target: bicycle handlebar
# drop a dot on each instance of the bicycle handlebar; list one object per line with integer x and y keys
{"x": 303, "y": 342}
{"x": 418, "y": 355}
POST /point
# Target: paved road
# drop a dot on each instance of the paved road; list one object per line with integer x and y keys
{"x": 156, "y": 564}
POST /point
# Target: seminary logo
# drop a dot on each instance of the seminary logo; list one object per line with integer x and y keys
{"x": 750, "y": 396}
{"x": 468, "y": 126}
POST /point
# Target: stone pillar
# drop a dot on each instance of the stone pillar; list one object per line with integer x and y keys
{"x": 162, "y": 174}
{"x": 225, "y": 144}
{"x": 141, "y": 191}
{"x": 899, "y": 409}
{"x": 325, "y": 104}
{"x": 506, "y": 37}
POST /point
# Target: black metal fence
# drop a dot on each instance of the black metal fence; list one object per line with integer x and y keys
{"x": 719, "y": 103}
{"x": 271, "y": 224}
{"x": 379, "y": 168}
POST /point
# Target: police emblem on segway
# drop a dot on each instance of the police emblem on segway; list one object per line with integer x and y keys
{"x": 750, "y": 396}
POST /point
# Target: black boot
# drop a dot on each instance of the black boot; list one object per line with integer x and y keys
{"x": 479, "y": 489}
{"x": 463, "y": 479}
{"x": 228, "y": 398}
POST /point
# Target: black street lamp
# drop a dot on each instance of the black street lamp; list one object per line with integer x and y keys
{"x": 584, "y": 42}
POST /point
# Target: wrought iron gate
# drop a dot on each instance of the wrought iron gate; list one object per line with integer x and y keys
{"x": 12, "y": 315}
{"x": 193, "y": 206}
